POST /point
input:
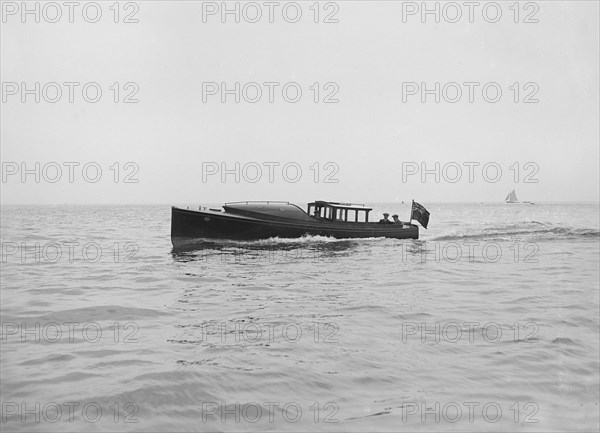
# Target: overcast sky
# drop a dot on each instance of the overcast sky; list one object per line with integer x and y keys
{"x": 373, "y": 141}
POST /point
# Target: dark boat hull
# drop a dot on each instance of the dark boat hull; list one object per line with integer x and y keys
{"x": 189, "y": 226}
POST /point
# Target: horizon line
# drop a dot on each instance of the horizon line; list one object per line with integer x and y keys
{"x": 209, "y": 202}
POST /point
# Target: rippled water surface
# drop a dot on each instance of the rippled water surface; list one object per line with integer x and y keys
{"x": 489, "y": 322}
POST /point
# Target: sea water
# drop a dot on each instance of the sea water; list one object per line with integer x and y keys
{"x": 488, "y": 322}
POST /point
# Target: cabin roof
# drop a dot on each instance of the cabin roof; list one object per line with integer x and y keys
{"x": 337, "y": 205}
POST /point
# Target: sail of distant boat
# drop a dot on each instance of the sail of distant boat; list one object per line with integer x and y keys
{"x": 511, "y": 197}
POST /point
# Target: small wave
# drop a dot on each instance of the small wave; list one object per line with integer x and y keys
{"x": 565, "y": 341}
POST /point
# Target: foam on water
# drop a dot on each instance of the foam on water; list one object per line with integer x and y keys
{"x": 533, "y": 230}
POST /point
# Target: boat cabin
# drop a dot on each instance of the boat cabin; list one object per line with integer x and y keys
{"x": 333, "y": 211}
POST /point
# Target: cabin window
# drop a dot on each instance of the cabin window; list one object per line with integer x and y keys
{"x": 360, "y": 216}
{"x": 335, "y": 213}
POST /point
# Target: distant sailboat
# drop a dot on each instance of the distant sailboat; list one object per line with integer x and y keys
{"x": 512, "y": 198}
